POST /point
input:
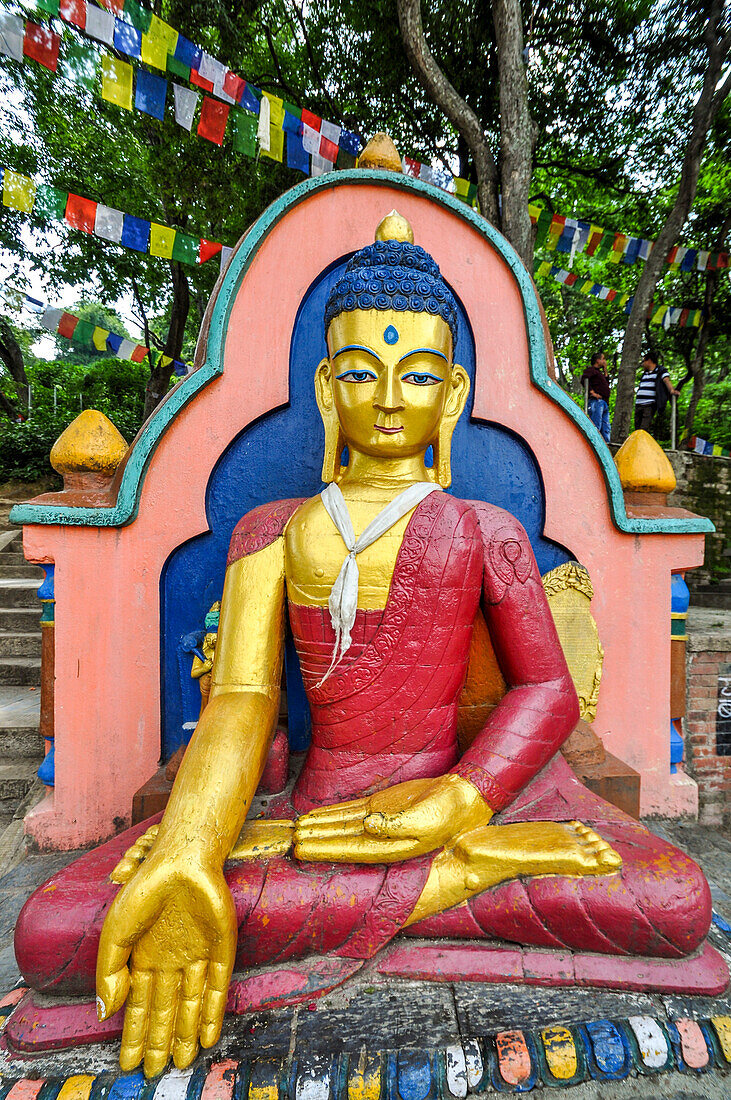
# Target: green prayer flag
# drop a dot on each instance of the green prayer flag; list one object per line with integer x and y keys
{"x": 606, "y": 244}
{"x": 177, "y": 68}
{"x": 244, "y": 132}
{"x": 292, "y": 110}
{"x": 345, "y": 160}
{"x": 472, "y": 194}
{"x": 80, "y": 64}
{"x": 186, "y": 249}
{"x": 50, "y": 202}
{"x": 542, "y": 224}
{"x": 50, "y": 6}
{"x": 139, "y": 17}
{"x": 83, "y": 333}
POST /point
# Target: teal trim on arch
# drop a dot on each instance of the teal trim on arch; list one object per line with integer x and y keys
{"x": 133, "y": 477}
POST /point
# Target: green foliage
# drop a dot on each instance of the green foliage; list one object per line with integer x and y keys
{"x": 113, "y": 386}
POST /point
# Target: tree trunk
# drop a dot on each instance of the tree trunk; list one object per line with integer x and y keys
{"x": 704, "y": 112}
{"x": 696, "y": 365}
{"x": 159, "y": 380}
{"x": 11, "y": 355}
{"x": 457, "y": 110}
{"x": 516, "y": 129}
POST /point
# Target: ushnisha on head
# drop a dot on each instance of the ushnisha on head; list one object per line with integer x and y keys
{"x": 389, "y": 387}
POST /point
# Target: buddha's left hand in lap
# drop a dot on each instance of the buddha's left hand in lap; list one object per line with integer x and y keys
{"x": 406, "y": 820}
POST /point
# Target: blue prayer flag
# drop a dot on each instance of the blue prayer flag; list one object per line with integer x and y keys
{"x": 350, "y": 142}
{"x": 689, "y": 260}
{"x": 566, "y": 239}
{"x": 135, "y": 233}
{"x": 150, "y": 93}
{"x": 595, "y": 289}
{"x": 127, "y": 39}
{"x": 114, "y": 343}
{"x": 248, "y": 99}
{"x": 291, "y": 124}
{"x": 708, "y": 447}
{"x": 179, "y": 369}
{"x": 296, "y": 155}
{"x": 187, "y": 53}
{"x": 632, "y": 251}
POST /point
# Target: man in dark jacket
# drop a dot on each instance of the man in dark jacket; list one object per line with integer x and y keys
{"x": 598, "y": 379}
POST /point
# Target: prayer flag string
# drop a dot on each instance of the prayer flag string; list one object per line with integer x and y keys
{"x": 85, "y": 333}
{"x": 20, "y": 193}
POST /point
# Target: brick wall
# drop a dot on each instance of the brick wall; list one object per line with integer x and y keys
{"x": 708, "y": 659}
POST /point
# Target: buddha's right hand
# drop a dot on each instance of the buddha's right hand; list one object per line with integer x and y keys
{"x": 167, "y": 946}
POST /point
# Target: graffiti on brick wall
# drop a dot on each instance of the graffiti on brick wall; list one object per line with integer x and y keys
{"x": 723, "y": 712}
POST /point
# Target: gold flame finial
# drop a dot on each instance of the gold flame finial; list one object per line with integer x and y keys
{"x": 380, "y": 152}
{"x": 395, "y": 227}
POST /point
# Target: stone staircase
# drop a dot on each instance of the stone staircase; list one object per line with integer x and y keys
{"x": 717, "y": 595}
{"x": 21, "y": 746}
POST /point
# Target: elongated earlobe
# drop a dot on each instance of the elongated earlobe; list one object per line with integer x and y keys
{"x": 334, "y": 441}
{"x": 454, "y": 405}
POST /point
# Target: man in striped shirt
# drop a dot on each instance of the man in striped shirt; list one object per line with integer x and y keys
{"x": 646, "y": 403}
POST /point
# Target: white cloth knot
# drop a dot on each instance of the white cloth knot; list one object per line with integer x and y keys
{"x": 343, "y": 600}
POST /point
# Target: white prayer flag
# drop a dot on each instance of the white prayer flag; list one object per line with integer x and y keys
{"x": 210, "y": 69}
{"x": 108, "y": 223}
{"x": 645, "y": 249}
{"x": 225, "y": 256}
{"x": 50, "y": 319}
{"x": 330, "y": 131}
{"x": 186, "y": 101}
{"x": 702, "y": 261}
{"x": 125, "y": 349}
{"x": 320, "y": 165}
{"x": 11, "y": 35}
{"x": 426, "y": 173}
{"x": 100, "y": 24}
{"x": 310, "y": 140}
{"x": 220, "y": 94}
{"x": 262, "y": 133}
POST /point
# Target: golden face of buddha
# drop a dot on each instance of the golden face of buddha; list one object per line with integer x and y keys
{"x": 390, "y": 382}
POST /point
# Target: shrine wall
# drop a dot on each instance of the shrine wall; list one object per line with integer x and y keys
{"x": 707, "y": 724}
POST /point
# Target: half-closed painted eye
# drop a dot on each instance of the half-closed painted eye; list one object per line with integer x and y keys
{"x": 357, "y": 376}
{"x": 421, "y": 378}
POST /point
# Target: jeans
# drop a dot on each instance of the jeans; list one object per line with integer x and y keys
{"x": 599, "y": 413}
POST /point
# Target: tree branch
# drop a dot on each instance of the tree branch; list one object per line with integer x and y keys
{"x": 457, "y": 110}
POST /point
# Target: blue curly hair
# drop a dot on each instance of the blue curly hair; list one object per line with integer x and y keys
{"x": 393, "y": 275}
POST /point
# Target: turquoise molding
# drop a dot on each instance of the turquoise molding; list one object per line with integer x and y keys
{"x": 146, "y": 442}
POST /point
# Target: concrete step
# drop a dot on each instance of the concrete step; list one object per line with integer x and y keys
{"x": 15, "y": 644}
{"x": 16, "y": 779}
{"x": 10, "y": 540}
{"x": 20, "y": 671}
{"x": 26, "y": 620}
{"x": 18, "y": 593}
{"x": 711, "y": 597}
{"x": 12, "y": 557}
{"x": 20, "y": 569}
{"x": 21, "y": 742}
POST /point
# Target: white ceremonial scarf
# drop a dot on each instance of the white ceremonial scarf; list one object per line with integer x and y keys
{"x": 343, "y": 600}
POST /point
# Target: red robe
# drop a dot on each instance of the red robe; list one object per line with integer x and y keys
{"x": 389, "y": 713}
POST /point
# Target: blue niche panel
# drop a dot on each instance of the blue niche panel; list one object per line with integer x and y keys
{"x": 279, "y": 456}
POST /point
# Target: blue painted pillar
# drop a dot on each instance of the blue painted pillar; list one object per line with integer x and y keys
{"x": 679, "y": 601}
{"x": 46, "y": 772}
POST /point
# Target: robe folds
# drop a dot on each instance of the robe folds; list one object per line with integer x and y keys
{"x": 388, "y": 713}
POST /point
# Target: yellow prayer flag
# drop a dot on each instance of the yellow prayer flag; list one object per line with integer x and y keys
{"x": 19, "y": 192}
{"x": 161, "y": 240}
{"x": 586, "y": 286}
{"x": 116, "y": 81}
{"x": 276, "y": 143}
{"x": 658, "y": 315}
{"x": 154, "y": 51}
{"x": 163, "y": 32}
{"x": 544, "y": 268}
{"x": 276, "y": 116}
{"x": 165, "y": 360}
{"x": 99, "y": 338}
{"x": 533, "y": 211}
{"x": 461, "y": 187}
{"x": 622, "y": 301}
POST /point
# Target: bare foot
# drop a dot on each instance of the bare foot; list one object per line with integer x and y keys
{"x": 493, "y": 854}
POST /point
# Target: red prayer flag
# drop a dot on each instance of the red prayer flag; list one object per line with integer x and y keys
{"x": 41, "y": 44}
{"x": 723, "y": 259}
{"x": 672, "y": 254}
{"x": 594, "y": 240}
{"x": 208, "y": 249}
{"x": 328, "y": 149}
{"x": 67, "y": 325}
{"x": 138, "y": 354}
{"x": 117, "y": 6}
{"x": 571, "y": 279}
{"x": 611, "y": 295}
{"x": 206, "y": 85}
{"x": 73, "y": 11}
{"x": 214, "y": 116}
{"x": 81, "y": 213}
{"x": 684, "y": 318}
{"x": 413, "y": 167}
{"x": 311, "y": 120}
{"x": 233, "y": 85}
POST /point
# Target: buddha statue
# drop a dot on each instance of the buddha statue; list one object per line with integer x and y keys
{"x": 389, "y": 829}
